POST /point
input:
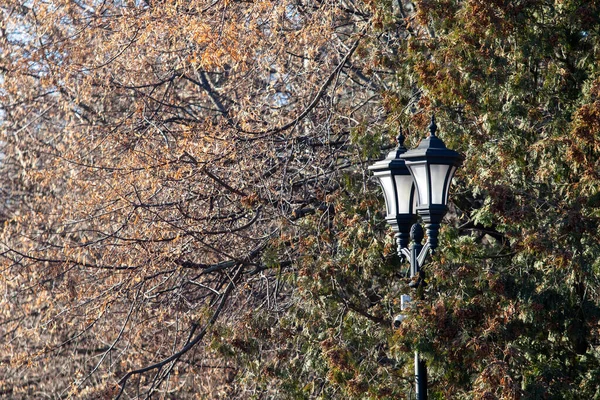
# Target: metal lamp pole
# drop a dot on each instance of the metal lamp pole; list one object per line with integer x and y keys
{"x": 416, "y": 255}
{"x": 416, "y": 184}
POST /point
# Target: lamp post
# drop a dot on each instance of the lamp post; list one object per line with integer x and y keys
{"x": 416, "y": 183}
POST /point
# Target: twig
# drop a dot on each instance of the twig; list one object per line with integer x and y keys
{"x": 175, "y": 357}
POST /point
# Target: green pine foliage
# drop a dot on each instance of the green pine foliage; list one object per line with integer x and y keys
{"x": 512, "y": 307}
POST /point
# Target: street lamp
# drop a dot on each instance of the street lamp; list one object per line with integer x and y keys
{"x": 432, "y": 166}
{"x": 399, "y": 191}
{"x": 417, "y": 182}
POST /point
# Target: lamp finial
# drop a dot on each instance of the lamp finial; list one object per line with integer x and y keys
{"x": 432, "y": 126}
{"x": 400, "y": 138}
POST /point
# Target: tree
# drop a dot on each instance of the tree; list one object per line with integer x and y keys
{"x": 520, "y": 313}
{"x": 187, "y": 208}
{"x": 153, "y": 151}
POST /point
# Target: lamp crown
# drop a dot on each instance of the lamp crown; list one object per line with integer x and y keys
{"x": 433, "y": 150}
{"x": 432, "y": 126}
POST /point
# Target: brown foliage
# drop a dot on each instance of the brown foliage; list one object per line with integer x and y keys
{"x": 151, "y": 152}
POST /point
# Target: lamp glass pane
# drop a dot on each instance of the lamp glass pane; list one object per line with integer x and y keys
{"x": 447, "y": 190}
{"x": 388, "y": 191}
{"x": 404, "y": 184}
{"x": 438, "y": 179}
{"x": 420, "y": 174}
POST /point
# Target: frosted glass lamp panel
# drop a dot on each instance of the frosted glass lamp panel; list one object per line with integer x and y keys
{"x": 387, "y": 184}
{"x": 438, "y": 180}
{"x": 404, "y": 185}
{"x": 447, "y": 190}
{"x": 420, "y": 174}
